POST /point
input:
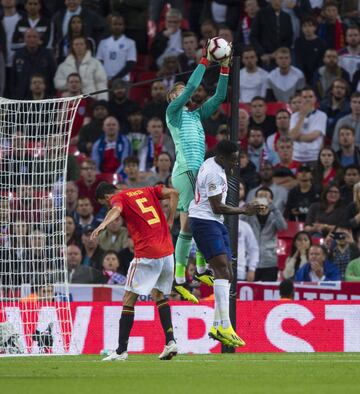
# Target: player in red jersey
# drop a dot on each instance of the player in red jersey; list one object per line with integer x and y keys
{"x": 152, "y": 269}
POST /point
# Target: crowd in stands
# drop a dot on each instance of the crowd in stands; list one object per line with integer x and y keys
{"x": 299, "y": 119}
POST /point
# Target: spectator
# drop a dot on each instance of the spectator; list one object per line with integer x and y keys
{"x": 270, "y": 30}
{"x": 352, "y": 120}
{"x": 331, "y": 30}
{"x": 168, "y": 41}
{"x": 100, "y": 7}
{"x": 342, "y": 248}
{"x": 134, "y": 179}
{"x": 353, "y": 211}
{"x": 161, "y": 172}
{"x": 156, "y": 143}
{"x": 156, "y": 107}
{"x": 84, "y": 109}
{"x": 248, "y": 171}
{"x": 351, "y": 177}
{"x": 114, "y": 237}
{"x": 250, "y": 10}
{"x": 280, "y": 194}
{"x": 80, "y": 61}
{"x": 92, "y": 131}
{"x": 91, "y": 251}
{"x": 222, "y": 12}
{"x": 282, "y": 120}
{"x": 307, "y": 129}
{"x": 259, "y": 118}
{"x": 135, "y": 14}
{"x": 84, "y": 215}
{"x": 78, "y": 273}
{"x": 94, "y": 24}
{"x": 299, "y": 254}
{"x": 243, "y": 130}
{"x": 211, "y": 125}
{"x": 9, "y": 20}
{"x": 71, "y": 232}
{"x": 71, "y": 197}
{"x": 37, "y": 87}
{"x": 225, "y": 32}
{"x": 336, "y": 104}
{"x": 208, "y": 30}
{"x": 326, "y": 74}
{"x": 302, "y": 196}
{"x": 256, "y": 147}
{"x": 76, "y": 29}
{"x": 349, "y": 57}
{"x": 136, "y": 133}
{"x": 318, "y": 268}
{"x": 265, "y": 225}
{"x": 295, "y": 102}
{"x": 187, "y": 59}
{"x": 110, "y": 267}
{"x": 352, "y": 273}
{"x": 32, "y": 59}
{"x": 297, "y": 10}
{"x": 35, "y": 20}
{"x": 119, "y": 105}
{"x": 170, "y": 67}
{"x": 286, "y": 290}
{"x": 285, "y": 169}
{"x": 118, "y": 52}
{"x": 324, "y": 215}
{"x": 88, "y": 182}
{"x": 327, "y": 169}
{"x": 309, "y": 49}
{"x": 248, "y": 252}
{"x": 111, "y": 148}
{"x": 348, "y": 153}
{"x": 253, "y": 79}
{"x": 286, "y": 79}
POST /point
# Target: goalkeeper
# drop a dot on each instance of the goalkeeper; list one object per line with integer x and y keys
{"x": 184, "y": 123}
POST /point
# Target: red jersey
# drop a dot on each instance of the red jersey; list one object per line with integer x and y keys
{"x": 145, "y": 221}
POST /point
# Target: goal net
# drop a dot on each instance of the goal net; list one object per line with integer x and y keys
{"x": 35, "y": 313}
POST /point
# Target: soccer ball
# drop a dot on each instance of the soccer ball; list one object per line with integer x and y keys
{"x": 219, "y": 49}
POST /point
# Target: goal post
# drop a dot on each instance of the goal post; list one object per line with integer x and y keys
{"x": 35, "y": 316}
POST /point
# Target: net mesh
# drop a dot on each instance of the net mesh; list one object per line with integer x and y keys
{"x": 34, "y": 297}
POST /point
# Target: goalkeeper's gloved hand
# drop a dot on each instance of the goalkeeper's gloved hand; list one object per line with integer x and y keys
{"x": 227, "y": 61}
{"x": 205, "y": 55}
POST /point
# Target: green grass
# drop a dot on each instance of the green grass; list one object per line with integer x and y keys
{"x": 223, "y": 373}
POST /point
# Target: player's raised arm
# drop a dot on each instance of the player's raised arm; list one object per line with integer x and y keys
{"x": 180, "y": 94}
{"x": 212, "y": 104}
{"x": 111, "y": 216}
{"x": 173, "y": 196}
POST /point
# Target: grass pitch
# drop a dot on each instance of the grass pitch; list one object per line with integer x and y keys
{"x": 221, "y": 373}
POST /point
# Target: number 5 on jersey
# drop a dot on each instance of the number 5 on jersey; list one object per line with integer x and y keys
{"x": 148, "y": 209}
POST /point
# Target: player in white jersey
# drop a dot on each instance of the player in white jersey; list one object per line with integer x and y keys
{"x": 211, "y": 236}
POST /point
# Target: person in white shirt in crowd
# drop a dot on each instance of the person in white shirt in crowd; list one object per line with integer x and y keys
{"x": 248, "y": 248}
{"x": 286, "y": 79}
{"x": 80, "y": 61}
{"x": 353, "y": 120}
{"x": 257, "y": 151}
{"x": 168, "y": 42}
{"x": 308, "y": 129}
{"x": 117, "y": 52}
{"x": 253, "y": 79}
{"x": 349, "y": 57}
{"x": 282, "y": 119}
{"x": 9, "y": 21}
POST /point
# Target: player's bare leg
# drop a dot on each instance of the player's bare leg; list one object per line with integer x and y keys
{"x": 222, "y": 329}
{"x": 125, "y": 325}
{"x": 170, "y": 349}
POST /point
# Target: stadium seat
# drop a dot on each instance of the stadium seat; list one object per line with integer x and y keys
{"x": 292, "y": 229}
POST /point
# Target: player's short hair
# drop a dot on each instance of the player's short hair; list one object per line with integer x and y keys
{"x": 347, "y": 127}
{"x": 173, "y": 89}
{"x": 131, "y": 160}
{"x": 104, "y": 188}
{"x": 286, "y": 289}
{"x": 226, "y": 148}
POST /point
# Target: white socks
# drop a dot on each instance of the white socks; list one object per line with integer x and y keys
{"x": 221, "y": 292}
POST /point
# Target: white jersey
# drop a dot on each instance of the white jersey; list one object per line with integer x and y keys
{"x": 211, "y": 181}
{"x": 115, "y": 53}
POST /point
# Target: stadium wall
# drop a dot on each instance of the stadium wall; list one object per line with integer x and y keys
{"x": 307, "y": 326}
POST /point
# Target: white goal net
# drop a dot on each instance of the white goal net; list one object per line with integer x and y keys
{"x": 35, "y": 314}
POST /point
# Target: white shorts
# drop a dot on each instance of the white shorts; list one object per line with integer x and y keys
{"x": 147, "y": 274}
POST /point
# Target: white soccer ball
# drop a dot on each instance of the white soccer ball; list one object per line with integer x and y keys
{"x": 219, "y": 49}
